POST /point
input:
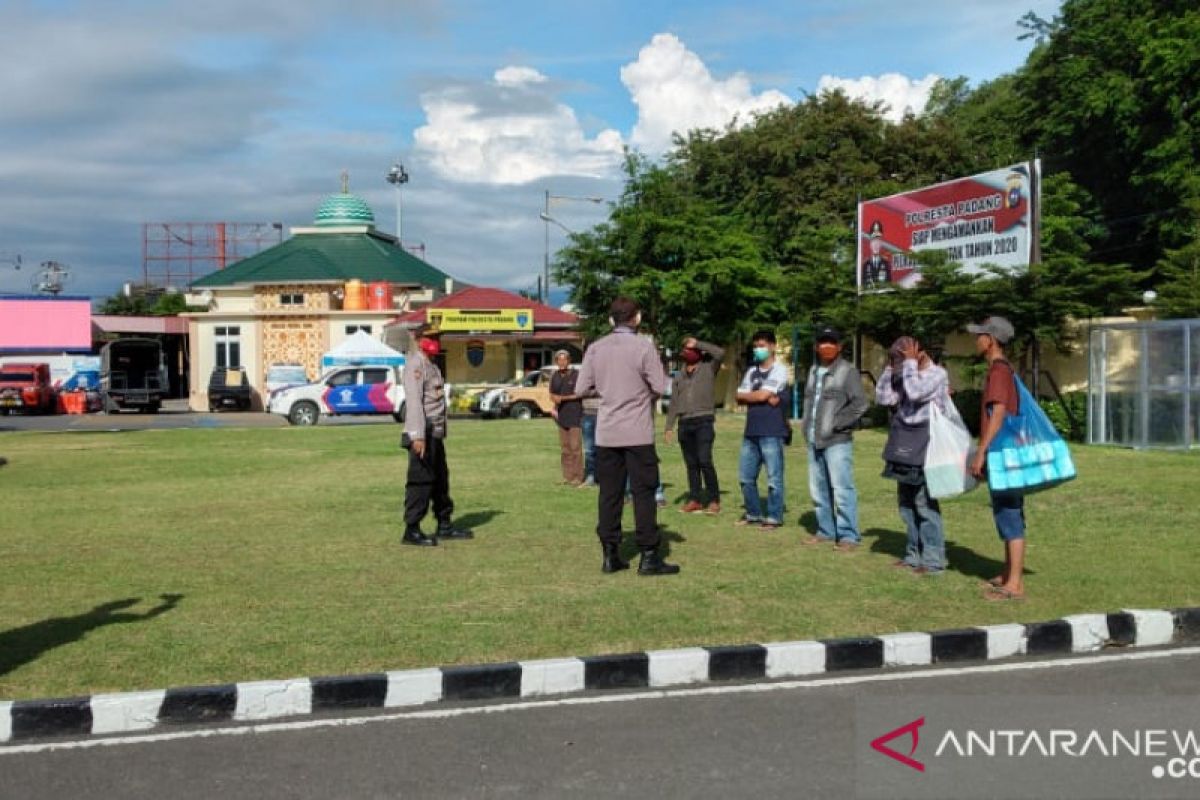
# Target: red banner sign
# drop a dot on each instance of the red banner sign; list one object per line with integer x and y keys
{"x": 986, "y": 219}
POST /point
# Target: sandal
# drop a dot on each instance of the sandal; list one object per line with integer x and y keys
{"x": 998, "y": 594}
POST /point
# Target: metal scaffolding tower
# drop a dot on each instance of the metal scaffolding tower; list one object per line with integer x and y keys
{"x": 176, "y": 253}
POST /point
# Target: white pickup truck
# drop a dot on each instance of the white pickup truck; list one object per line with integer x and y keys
{"x": 350, "y": 390}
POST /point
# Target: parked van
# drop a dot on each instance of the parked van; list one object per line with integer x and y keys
{"x": 342, "y": 391}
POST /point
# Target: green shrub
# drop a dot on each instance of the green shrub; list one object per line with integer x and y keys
{"x": 1071, "y": 426}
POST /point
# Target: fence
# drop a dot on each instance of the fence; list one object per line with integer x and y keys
{"x": 1144, "y": 384}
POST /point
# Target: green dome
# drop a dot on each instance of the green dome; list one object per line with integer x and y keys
{"x": 340, "y": 210}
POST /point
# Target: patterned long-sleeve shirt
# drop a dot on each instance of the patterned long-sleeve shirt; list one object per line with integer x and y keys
{"x": 919, "y": 387}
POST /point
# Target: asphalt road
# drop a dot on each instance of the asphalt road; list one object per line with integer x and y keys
{"x": 796, "y": 739}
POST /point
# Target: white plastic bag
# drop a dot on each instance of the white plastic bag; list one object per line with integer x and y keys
{"x": 948, "y": 458}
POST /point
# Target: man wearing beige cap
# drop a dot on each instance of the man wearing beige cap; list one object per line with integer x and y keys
{"x": 1000, "y": 399}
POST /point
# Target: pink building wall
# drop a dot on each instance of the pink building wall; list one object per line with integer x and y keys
{"x": 45, "y": 324}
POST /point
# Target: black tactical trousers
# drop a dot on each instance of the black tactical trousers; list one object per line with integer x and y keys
{"x": 640, "y": 466}
{"x": 428, "y": 479}
{"x": 696, "y": 436}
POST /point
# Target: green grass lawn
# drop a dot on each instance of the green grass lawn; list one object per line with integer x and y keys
{"x": 282, "y": 546}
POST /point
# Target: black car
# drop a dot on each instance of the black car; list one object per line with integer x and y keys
{"x": 228, "y": 387}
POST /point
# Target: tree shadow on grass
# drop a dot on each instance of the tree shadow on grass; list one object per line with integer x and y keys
{"x": 960, "y": 559}
{"x": 20, "y": 646}
{"x": 477, "y": 519}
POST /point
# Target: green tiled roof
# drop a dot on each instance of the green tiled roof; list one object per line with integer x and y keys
{"x": 329, "y": 256}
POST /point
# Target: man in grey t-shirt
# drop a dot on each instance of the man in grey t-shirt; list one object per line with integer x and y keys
{"x": 625, "y": 369}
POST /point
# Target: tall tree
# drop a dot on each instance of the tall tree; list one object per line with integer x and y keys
{"x": 1111, "y": 98}
{"x": 694, "y": 270}
{"x": 1179, "y": 276}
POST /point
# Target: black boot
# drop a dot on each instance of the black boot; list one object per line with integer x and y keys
{"x": 413, "y": 535}
{"x": 612, "y": 558}
{"x": 652, "y": 563}
{"x": 446, "y": 530}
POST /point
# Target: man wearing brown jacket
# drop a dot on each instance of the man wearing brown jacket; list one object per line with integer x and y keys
{"x": 692, "y": 403}
{"x": 568, "y": 414}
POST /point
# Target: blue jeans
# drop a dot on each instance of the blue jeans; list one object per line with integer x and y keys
{"x": 831, "y": 485}
{"x": 1008, "y": 510}
{"x": 923, "y": 518}
{"x": 589, "y": 446}
{"x": 757, "y": 451}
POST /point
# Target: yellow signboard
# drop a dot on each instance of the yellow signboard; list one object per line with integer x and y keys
{"x": 471, "y": 319}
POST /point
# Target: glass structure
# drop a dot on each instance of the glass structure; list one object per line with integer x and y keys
{"x": 1144, "y": 384}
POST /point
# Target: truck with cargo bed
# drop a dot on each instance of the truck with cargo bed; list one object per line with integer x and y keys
{"x": 133, "y": 375}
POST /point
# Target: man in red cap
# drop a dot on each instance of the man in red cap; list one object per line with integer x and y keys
{"x": 424, "y": 437}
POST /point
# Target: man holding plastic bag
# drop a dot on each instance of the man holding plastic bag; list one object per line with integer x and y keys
{"x": 1020, "y": 452}
{"x": 999, "y": 400}
{"x": 913, "y": 386}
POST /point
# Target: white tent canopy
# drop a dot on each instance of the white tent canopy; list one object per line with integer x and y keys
{"x": 362, "y": 348}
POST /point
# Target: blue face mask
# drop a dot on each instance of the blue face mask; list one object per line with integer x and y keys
{"x": 761, "y": 354}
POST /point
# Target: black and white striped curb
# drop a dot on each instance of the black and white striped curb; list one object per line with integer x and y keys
{"x": 265, "y": 700}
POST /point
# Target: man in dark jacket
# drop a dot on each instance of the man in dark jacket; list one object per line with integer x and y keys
{"x": 833, "y": 403}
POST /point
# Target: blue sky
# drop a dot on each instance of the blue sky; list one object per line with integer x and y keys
{"x": 118, "y": 113}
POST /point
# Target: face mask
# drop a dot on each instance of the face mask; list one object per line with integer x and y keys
{"x": 430, "y": 347}
{"x": 828, "y": 351}
{"x": 761, "y": 354}
{"x": 691, "y": 355}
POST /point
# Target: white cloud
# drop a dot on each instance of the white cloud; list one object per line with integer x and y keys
{"x": 899, "y": 93}
{"x": 513, "y": 129}
{"x": 516, "y": 76}
{"x": 510, "y": 130}
{"x": 674, "y": 91}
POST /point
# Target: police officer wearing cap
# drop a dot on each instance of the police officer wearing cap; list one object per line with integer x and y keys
{"x": 876, "y": 270}
{"x": 425, "y": 439}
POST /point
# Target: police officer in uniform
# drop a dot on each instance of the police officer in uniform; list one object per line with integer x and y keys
{"x": 876, "y": 270}
{"x": 425, "y": 440}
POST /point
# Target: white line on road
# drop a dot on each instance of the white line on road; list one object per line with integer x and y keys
{"x": 657, "y": 694}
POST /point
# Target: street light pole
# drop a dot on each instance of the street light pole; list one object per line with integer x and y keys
{"x": 546, "y": 253}
{"x": 397, "y": 177}
{"x": 546, "y": 220}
